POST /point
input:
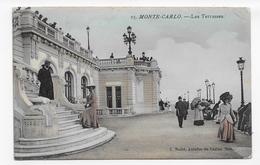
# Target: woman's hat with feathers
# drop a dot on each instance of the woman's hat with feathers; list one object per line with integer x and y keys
{"x": 225, "y": 96}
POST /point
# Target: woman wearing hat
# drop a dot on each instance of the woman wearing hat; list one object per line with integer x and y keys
{"x": 89, "y": 115}
{"x": 227, "y": 119}
{"x": 198, "y": 114}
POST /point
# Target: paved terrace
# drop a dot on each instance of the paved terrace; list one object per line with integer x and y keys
{"x": 158, "y": 136}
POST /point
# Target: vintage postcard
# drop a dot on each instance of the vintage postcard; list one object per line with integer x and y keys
{"x": 131, "y": 83}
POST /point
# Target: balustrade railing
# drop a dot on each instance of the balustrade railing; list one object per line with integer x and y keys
{"x": 114, "y": 112}
{"x": 71, "y": 45}
{"x": 112, "y": 61}
{"x": 31, "y": 81}
{"x": 142, "y": 63}
{"x": 41, "y": 27}
{"x": 51, "y": 33}
{"x": 55, "y": 33}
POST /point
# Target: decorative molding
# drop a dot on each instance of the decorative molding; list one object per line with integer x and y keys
{"x": 70, "y": 67}
{"x": 32, "y": 47}
{"x": 61, "y": 57}
{"x": 78, "y": 65}
{"x": 18, "y": 73}
{"x": 36, "y": 49}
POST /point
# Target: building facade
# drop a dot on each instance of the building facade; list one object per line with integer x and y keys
{"x": 124, "y": 86}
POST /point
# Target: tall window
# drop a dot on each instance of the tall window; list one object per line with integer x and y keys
{"x": 118, "y": 97}
{"x": 109, "y": 97}
{"x": 84, "y": 83}
{"x": 68, "y": 86}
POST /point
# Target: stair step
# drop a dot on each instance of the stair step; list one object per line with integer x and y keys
{"x": 60, "y": 138}
{"x": 58, "y": 109}
{"x": 68, "y": 117}
{"x": 69, "y": 129}
{"x": 84, "y": 138}
{"x": 63, "y": 124}
{"x": 32, "y": 95}
{"x": 63, "y": 113}
{"x": 72, "y": 150}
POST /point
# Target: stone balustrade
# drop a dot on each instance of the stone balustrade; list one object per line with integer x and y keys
{"x": 114, "y": 112}
{"x": 142, "y": 63}
{"x": 112, "y": 61}
{"x": 29, "y": 79}
{"x": 56, "y": 34}
{"x": 27, "y": 19}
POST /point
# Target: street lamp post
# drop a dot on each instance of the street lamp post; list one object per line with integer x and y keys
{"x": 130, "y": 38}
{"x": 88, "y": 37}
{"x": 199, "y": 93}
{"x": 188, "y": 96}
{"x": 240, "y": 64}
{"x": 213, "y": 87}
{"x": 207, "y": 84}
{"x": 209, "y": 87}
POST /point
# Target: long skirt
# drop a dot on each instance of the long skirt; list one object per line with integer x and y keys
{"x": 198, "y": 122}
{"x": 89, "y": 118}
{"x": 198, "y": 117}
{"x": 226, "y": 131}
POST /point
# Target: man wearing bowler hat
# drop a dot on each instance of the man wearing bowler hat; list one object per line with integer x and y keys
{"x": 44, "y": 76}
{"x": 180, "y": 107}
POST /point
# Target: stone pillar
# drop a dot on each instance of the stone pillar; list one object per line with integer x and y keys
{"x": 55, "y": 81}
{"x": 129, "y": 60}
{"x": 130, "y": 92}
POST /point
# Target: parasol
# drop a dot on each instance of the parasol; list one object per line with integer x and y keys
{"x": 205, "y": 103}
{"x": 195, "y": 101}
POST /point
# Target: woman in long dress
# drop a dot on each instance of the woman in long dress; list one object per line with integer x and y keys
{"x": 89, "y": 115}
{"x": 227, "y": 119}
{"x": 198, "y": 114}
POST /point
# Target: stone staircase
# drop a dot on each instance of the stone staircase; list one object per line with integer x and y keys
{"x": 72, "y": 138}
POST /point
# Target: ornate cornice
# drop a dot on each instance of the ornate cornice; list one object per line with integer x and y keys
{"x": 32, "y": 32}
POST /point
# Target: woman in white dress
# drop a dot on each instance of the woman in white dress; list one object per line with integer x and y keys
{"x": 227, "y": 119}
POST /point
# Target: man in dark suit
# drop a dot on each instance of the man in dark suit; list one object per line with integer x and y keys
{"x": 44, "y": 76}
{"x": 187, "y": 108}
{"x": 181, "y": 108}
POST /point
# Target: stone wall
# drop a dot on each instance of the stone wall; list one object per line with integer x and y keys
{"x": 109, "y": 78}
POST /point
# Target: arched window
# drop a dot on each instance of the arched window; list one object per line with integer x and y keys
{"x": 84, "y": 83}
{"x": 68, "y": 86}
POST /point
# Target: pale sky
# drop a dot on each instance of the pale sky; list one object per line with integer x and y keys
{"x": 188, "y": 51}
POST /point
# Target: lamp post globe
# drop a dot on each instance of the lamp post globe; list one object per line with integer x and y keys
{"x": 130, "y": 38}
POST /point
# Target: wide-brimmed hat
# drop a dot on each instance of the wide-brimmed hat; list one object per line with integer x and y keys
{"x": 47, "y": 62}
{"x": 92, "y": 85}
{"x": 225, "y": 96}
